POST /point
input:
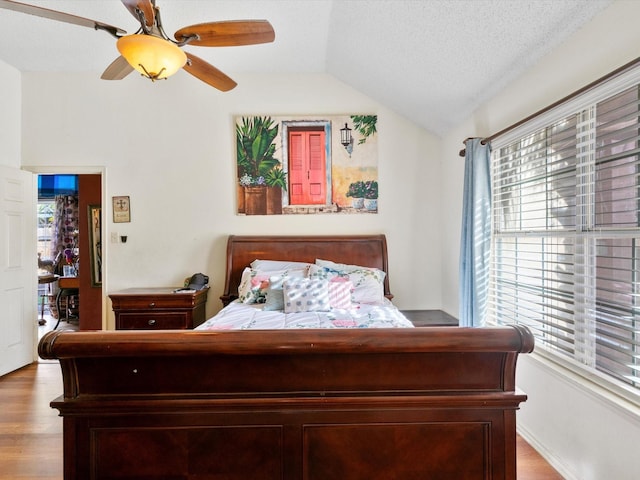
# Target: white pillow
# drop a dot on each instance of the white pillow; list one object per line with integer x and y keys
{"x": 368, "y": 283}
{"x": 270, "y": 265}
{"x": 306, "y": 295}
{"x": 343, "y": 267}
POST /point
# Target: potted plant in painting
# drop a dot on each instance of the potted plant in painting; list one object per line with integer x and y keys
{"x": 255, "y": 160}
{"x": 356, "y": 192}
{"x": 371, "y": 195}
{"x": 276, "y": 180}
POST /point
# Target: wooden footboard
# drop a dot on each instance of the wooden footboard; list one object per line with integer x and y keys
{"x": 434, "y": 403}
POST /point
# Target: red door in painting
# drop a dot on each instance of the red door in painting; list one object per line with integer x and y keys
{"x": 307, "y": 170}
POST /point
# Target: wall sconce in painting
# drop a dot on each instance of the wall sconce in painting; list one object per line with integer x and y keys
{"x": 346, "y": 139}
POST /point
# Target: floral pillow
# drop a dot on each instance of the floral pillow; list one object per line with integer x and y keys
{"x": 306, "y": 295}
{"x": 254, "y": 283}
{"x": 368, "y": 283}
{"x": 344, "y": 267}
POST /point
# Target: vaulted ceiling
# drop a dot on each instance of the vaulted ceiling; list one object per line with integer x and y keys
{"x": 432, "y": 61}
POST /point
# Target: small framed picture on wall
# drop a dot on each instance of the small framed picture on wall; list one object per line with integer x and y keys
{"x": 121, "y": 210}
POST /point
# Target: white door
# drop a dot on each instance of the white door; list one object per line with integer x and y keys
{"x": 18, "y": 269}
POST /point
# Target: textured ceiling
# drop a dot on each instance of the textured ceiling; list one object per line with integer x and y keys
{"x": 432, "y": 61}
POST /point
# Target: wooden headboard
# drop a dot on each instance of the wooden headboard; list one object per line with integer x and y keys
{"x": 364, "y": 250}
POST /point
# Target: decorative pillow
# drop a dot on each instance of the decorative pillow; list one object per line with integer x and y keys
{"x": 271, "y": 265}
{"x": 244, "y": 286}
{"x": 340, "y": 291}
{"x": 343, "y": 267}
{"x": 254, "y": 283}
{"x": 274, "y": 293}
{"x": 368, "y": 283}
{"x": 306, "y": 295}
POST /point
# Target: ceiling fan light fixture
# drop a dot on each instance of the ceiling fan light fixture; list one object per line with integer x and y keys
{"x": 152, "y": 56}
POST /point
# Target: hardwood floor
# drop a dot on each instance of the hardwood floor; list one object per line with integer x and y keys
{"x": 531, "y": 466}
{"x": 31, "y": 431}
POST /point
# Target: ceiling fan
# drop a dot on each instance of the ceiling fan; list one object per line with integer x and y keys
{"x": 156, "y": 56}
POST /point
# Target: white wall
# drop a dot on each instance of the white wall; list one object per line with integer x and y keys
{"x": 170, "y": 146}
{"x": 585, "y": 435}
{"x": 10, "y": 118}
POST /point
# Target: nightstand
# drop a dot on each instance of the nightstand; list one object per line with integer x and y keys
{"x": 158, "y": 308}
{"x": 430, "y": 318}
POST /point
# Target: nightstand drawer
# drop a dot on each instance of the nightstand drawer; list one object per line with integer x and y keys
{"x": 153, "y": 321}
{"x": 153, "y": 302}
{"x": 158, "y": 308}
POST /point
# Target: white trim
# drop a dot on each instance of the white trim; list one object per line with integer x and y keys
{"x": 67, "y": 169}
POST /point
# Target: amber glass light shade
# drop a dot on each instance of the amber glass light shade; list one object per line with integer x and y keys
{"x": 153, "y": 57}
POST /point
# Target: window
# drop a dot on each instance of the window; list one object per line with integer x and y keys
{"x": 49, "y": 187}
{"x": 566, "y": 243}
{"x": 45, "y": 228}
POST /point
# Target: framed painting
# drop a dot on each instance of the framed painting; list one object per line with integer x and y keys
{"x": 121, "y": 209}
{"x": 306, "y": 164}
{"x": 95, "y": 244}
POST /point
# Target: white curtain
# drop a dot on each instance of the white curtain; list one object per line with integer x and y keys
{"x": 475, "y": 244}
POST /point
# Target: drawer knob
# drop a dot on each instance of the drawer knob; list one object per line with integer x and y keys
{"x": 152, "y": 322}
{"x": 152, "y": 304}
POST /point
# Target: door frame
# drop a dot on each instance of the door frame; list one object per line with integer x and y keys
{"x": 85, "y": 170}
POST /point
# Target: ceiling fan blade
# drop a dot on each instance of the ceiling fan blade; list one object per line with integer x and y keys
{"x": 145, "y": 6}
{"x": 59, "y": 16}
{"x": 118, "y": 69}
{"x": 208, "y": 73}
{"x": 228, "y": 34}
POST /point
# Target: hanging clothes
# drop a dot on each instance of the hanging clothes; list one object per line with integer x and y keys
{"x": 65, "y": 231}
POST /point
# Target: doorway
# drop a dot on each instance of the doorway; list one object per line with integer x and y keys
{"x": 58, "y": 242}
{"x": 76, "y": 293}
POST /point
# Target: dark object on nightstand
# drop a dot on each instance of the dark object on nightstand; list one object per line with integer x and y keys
{"x": 158, "y": 308}
{"x": 430, "y": 318}
{"x": 198, "y": 281}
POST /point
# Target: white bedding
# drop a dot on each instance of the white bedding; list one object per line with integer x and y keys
{"x": 242, "y": 316}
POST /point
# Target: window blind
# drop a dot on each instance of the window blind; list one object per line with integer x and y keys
{"x": 51, "y": 185}
{"x": 566, "y": 240}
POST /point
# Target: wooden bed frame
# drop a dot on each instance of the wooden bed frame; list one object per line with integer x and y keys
{"x": 435, "y": 403}
{"x": 364, "y": 250}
